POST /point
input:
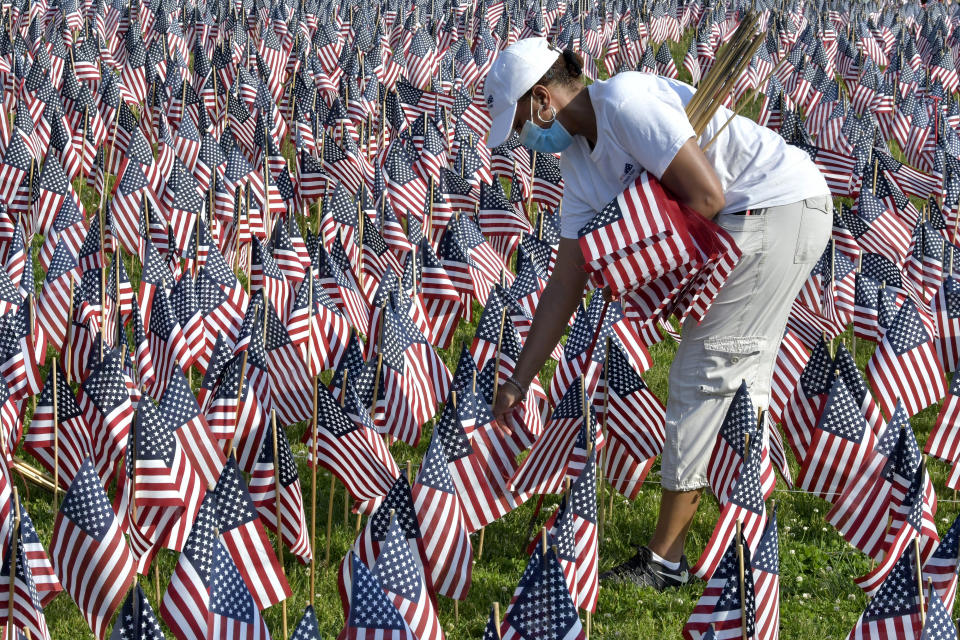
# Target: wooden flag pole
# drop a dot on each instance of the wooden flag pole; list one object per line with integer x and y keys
{"x": 56, "y": 439}
{"x": 376, "y": 373}
{"x": 743, "y": 612}
{"x": 69, "y": 342}
{"x": 313, "y": 501}
{"x": 496, "y": 619}
{"x": 236, "y": 417}
{"x": 15, "y": 539}
{"x": 603, "y": 430}
{"x": 916, "y": 555}
{"x": 496, "y": 370}
{"x": 276, "y": 502}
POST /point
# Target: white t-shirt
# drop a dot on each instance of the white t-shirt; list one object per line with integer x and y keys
{"x": 641, "y": 124}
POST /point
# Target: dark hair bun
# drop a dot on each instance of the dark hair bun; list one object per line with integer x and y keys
{"x": 573, "y": 62}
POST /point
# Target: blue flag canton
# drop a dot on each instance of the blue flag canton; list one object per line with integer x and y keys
{"x": 571, "y": 405}
{"x": 400, "y": 502}
{"x": 198, "y": 548}
{"x": 137, "y": 620}
{"x": 209, "y": 294}
{"x": 465, "y": 372}
{"x": 308, "y": 628}
{"x": 527, "y": 281}
{"x": 621, "y": 376}
{"x": 396, "y": 568}
{"x": 898, "y": 595}
{"x": 287, "y": 468}
{"x": 370, "y": 608}
{"x": 105, "y": 386}
{"x": 544, "y": 608}
{"x": 86, "y": 503}
{"x": 434, "y": 472}
{"x": 740, "y": 420}
{"x": 747, "y": 492}
{"x": 844, "y": 363}
{"x": 491, "y": 631}
{"x": 276, "y": 335}
{"x": 155, "y": 439}
{"x": 178, "y": 405}
{"x": 949, "y": 545}
{"x": 229, "y": 596}
{"x": 62, "y": 262}
{"x": 234, "y": 505}
{"x": 950, "y": 296}
{"x": 396, "y": 339}
{"x": 767, "y": 556}
{"x": 888, "y": 441}
{"x": 331, "y": 417}
{"x": 907, "y": 331}
{"x": 817, "y": 377}
{"x": 730, "y": 598}
{"x": 450, "y": 431}
{"x": 938, "y": 625}
{"x": 563, "y": 535}
{"x": 162, "y": 320}
{"x": 489, "y": 325}
{"x": 841, "y": 416}
{"x": 220, "y": 357}
{"x": 584, "y": 491}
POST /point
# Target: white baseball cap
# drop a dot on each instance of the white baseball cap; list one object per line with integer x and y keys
{"x": 514, "y": 72}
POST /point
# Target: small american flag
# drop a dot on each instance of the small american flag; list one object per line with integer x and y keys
{"x": 105, "y": 402}
{"x": 441, "y": 521}
{"x": 266, "y": 480}
{"x": 634, "y": 420}
{"x": 87, "y": 541}
{"x": 765, "y": 566}
{"x": 841, "y": 448}
{"x": 27, "y": 603}
{"x": 555, "y": 454}
{"x": 401, "y": 576}
{"x": 180, "y": 410}
{"x": 371, "y": 615}
{"x": 946, "y": 310}
{"x": 721, "y": 609}
{"x": 372, "y": 539}
{"x": 233, "y": 611}
{"x": 744, "y": 506}
{"x": 894, "y": 612}
{"x": 242, "y": 533}
{"x": 542, "y": 609}
{"x": 905, "y": 366}
{"x": 729, "y": 451}
{"x": 941, "y": 567}
{"x": 186, "y": 601}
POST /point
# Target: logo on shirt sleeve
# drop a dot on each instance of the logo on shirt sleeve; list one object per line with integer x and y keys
{"x": 629, "y": 173}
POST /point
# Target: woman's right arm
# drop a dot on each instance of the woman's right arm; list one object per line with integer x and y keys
{"x": 560, "y": 298}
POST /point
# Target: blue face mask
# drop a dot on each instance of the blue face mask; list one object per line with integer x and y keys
{"x": 553, "y": 139}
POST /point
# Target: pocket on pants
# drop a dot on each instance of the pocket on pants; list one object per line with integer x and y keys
{"x": 814, "y": 214}
{"x": 728, "y": 362}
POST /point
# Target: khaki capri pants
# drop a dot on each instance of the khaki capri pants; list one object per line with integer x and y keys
{"x": 741, "y": 333}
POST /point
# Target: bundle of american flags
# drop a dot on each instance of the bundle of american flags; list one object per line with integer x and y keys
{"x": 205, "y": 206}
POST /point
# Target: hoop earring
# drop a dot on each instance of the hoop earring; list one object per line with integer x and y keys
{"x": 553, "y": 115}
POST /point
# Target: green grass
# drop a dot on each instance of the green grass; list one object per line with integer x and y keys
{"x": 818, "y": 596}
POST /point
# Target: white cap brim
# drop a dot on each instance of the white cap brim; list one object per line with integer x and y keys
{"x": 501, "y": 126}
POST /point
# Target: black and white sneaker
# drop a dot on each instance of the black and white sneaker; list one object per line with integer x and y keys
{"x": 643, "y": 571}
